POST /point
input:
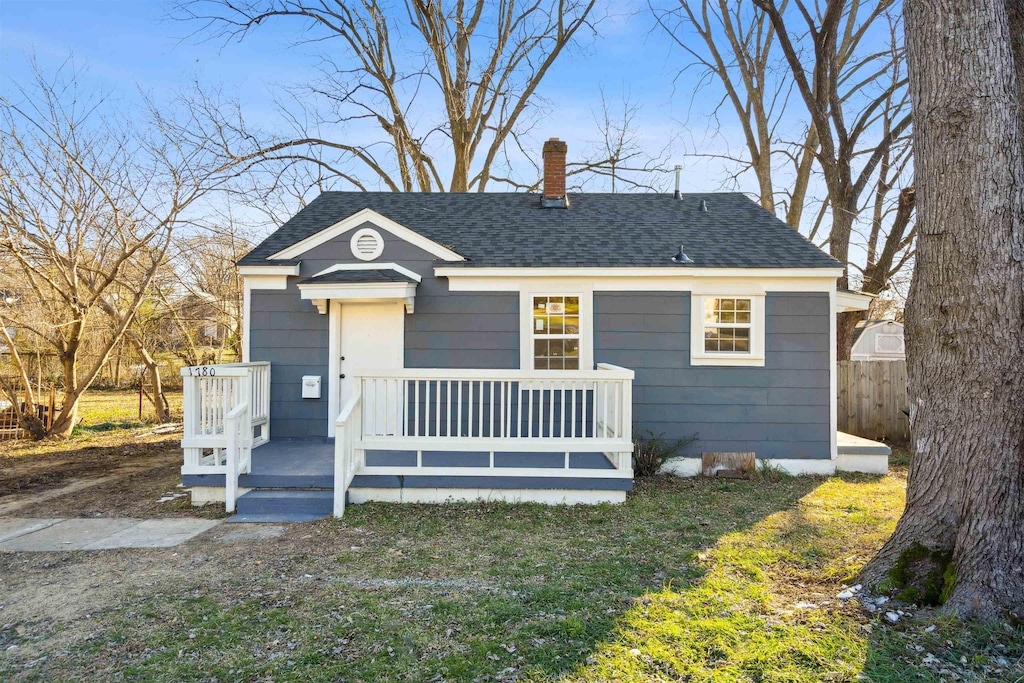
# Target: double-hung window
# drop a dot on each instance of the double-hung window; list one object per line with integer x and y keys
{"x": 727, "y": 330}
{"x": 555, "y": 332}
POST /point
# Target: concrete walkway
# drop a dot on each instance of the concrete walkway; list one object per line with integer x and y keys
{"x": 47, "y": 535}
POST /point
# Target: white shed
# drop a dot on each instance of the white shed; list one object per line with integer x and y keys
{"x": 878, "y": 340}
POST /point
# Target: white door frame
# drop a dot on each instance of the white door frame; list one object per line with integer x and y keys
{"x": 334, "y": 355}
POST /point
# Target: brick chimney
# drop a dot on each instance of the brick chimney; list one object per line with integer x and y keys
{"x": 554, "y": 169}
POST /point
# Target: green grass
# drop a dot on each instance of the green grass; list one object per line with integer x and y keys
{"x": 690, "y": 580}
{"x": 109, "y": 409}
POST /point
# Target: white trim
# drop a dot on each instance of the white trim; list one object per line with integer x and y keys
{"x": 634, "y": 272}
{"x": 355, "y": 292}
{"x": 357, "y": 219}
{"x": 871, "y": 464}
{"x": 371, "y": 266}
{"x": 378, "y": 246}
{"x": 833, "y": 376}
{"x": 277, "y": 282}
{"x": 333, "y": 366}
{"x": 292, "y": 269}
{"x": 526, "y": 294}
{"x": 360, "y": 495}
{"x": 698, "y": 356}
{"x": 752, "y": 283}
{"x": 854, "y": 301}
{"x": 246, "y": 317}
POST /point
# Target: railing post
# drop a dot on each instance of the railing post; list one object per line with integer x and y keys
{"x": 231, "y": 476}
{"x": 341, "y": 433}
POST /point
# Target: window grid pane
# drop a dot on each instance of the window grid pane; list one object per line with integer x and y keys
{"x": 555, "y": 331}
{"x": 727, "y": 324}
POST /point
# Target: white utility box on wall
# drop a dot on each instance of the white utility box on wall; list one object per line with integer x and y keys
{"x": 311, "y": 386}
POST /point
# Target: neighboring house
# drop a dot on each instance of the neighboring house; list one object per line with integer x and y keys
{"x": 878, "y": 340}
{"x": 468, "y": 346}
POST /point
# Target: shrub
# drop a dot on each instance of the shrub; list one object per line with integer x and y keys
{"x": 651, "y": 451}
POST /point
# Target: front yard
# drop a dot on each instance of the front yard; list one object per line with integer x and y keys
{"x": 703, "y": 580}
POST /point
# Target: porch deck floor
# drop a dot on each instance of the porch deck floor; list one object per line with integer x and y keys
{"x": 309, "y": 463}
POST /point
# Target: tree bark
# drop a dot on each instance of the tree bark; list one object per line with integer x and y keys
{"x": 965, "y": 312}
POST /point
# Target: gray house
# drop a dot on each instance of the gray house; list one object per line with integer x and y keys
{"x": 431, "y": 347}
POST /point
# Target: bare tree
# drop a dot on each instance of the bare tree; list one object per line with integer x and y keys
{"x": 207, "y": 293}
{"x": 965, "y": 314}
{"x": 738, "y": 50}
{"x": 88, "y": 207}
{"x": 839, "y": 67}
{"x": 480, "y": 63}
{"x": 824, "y": 83}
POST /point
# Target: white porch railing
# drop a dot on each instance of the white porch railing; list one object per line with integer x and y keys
{"x": 210, "y": 394}
{"x": 348, "y": 456}
{"x": 448, "y": 404}
{"x": 238, "y": 451}
{"x": 501, "y": 410}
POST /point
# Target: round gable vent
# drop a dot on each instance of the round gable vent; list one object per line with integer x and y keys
{"x": 367, "y": 244}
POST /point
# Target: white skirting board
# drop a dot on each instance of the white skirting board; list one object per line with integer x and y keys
{"x": 416, "y": 495}
{"x": 868, "y": 464}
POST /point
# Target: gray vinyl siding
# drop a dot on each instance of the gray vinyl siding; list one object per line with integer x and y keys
{"x": 292, "y": 335}
{"x": 778, "y": 411}
{"x": 447, "y": 330}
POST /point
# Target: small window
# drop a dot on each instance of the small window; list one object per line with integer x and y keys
{"x": 727, "y": 330}
{"x": 367, "y": 244}
{"x": 727, "y": 325}
{"x": 555, "y": 332}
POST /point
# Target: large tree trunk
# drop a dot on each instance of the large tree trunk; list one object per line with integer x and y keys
{"x": 965, "y": 313}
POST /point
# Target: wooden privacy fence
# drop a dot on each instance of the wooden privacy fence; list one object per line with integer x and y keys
{"x": 872, "y": 398}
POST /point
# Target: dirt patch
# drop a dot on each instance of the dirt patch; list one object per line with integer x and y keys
{"x": 123, "y": 473}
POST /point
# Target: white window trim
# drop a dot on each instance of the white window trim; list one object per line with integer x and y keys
{"x": 698, "y": 356}
{"x": 586, "y": 297}
{"x": 377, "y": 250}
{"x": 533, "y": 329}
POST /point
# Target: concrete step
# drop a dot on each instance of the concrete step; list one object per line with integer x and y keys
{"x": 271, "y": 518}
{"x": 286, "y": 505}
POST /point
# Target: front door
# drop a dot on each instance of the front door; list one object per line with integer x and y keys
{"x": 372, "y": 338}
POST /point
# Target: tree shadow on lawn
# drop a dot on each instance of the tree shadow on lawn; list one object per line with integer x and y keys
{"x": 682, "y": 579}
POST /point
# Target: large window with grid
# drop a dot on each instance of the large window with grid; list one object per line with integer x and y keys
{"x": 727, "y": 329}
{"x": 555, "y": 332}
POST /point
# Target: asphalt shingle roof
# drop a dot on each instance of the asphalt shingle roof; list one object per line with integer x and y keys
{"x": 597, "y": 230}
{"x": 343, "y": 276}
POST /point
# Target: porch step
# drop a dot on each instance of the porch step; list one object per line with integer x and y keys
{"x": 279, "y": 505}
{"x": 287, "y": 480}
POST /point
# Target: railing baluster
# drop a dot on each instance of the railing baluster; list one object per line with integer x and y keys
{"x": 519, "y": 410}
{"x": 490, "y": 418}
{"x": 572, "y": 393}
{"x": 458, "y": 408}
{"x": 437, "y": 408}
{"x": 448, "y": 417}
{"x": 551, "y": 409}
{"x": 529, "y": 416}
{"x": 416, "y": 409}
{"x": 480, "y": 416}
{"x": 561, "y": 422}
{"x": 605, "y": 406}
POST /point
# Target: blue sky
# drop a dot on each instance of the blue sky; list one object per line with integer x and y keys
{"x": 126, "y": 46}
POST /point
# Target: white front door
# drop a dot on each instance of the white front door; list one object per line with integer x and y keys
{"x": 372, "y": 338}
